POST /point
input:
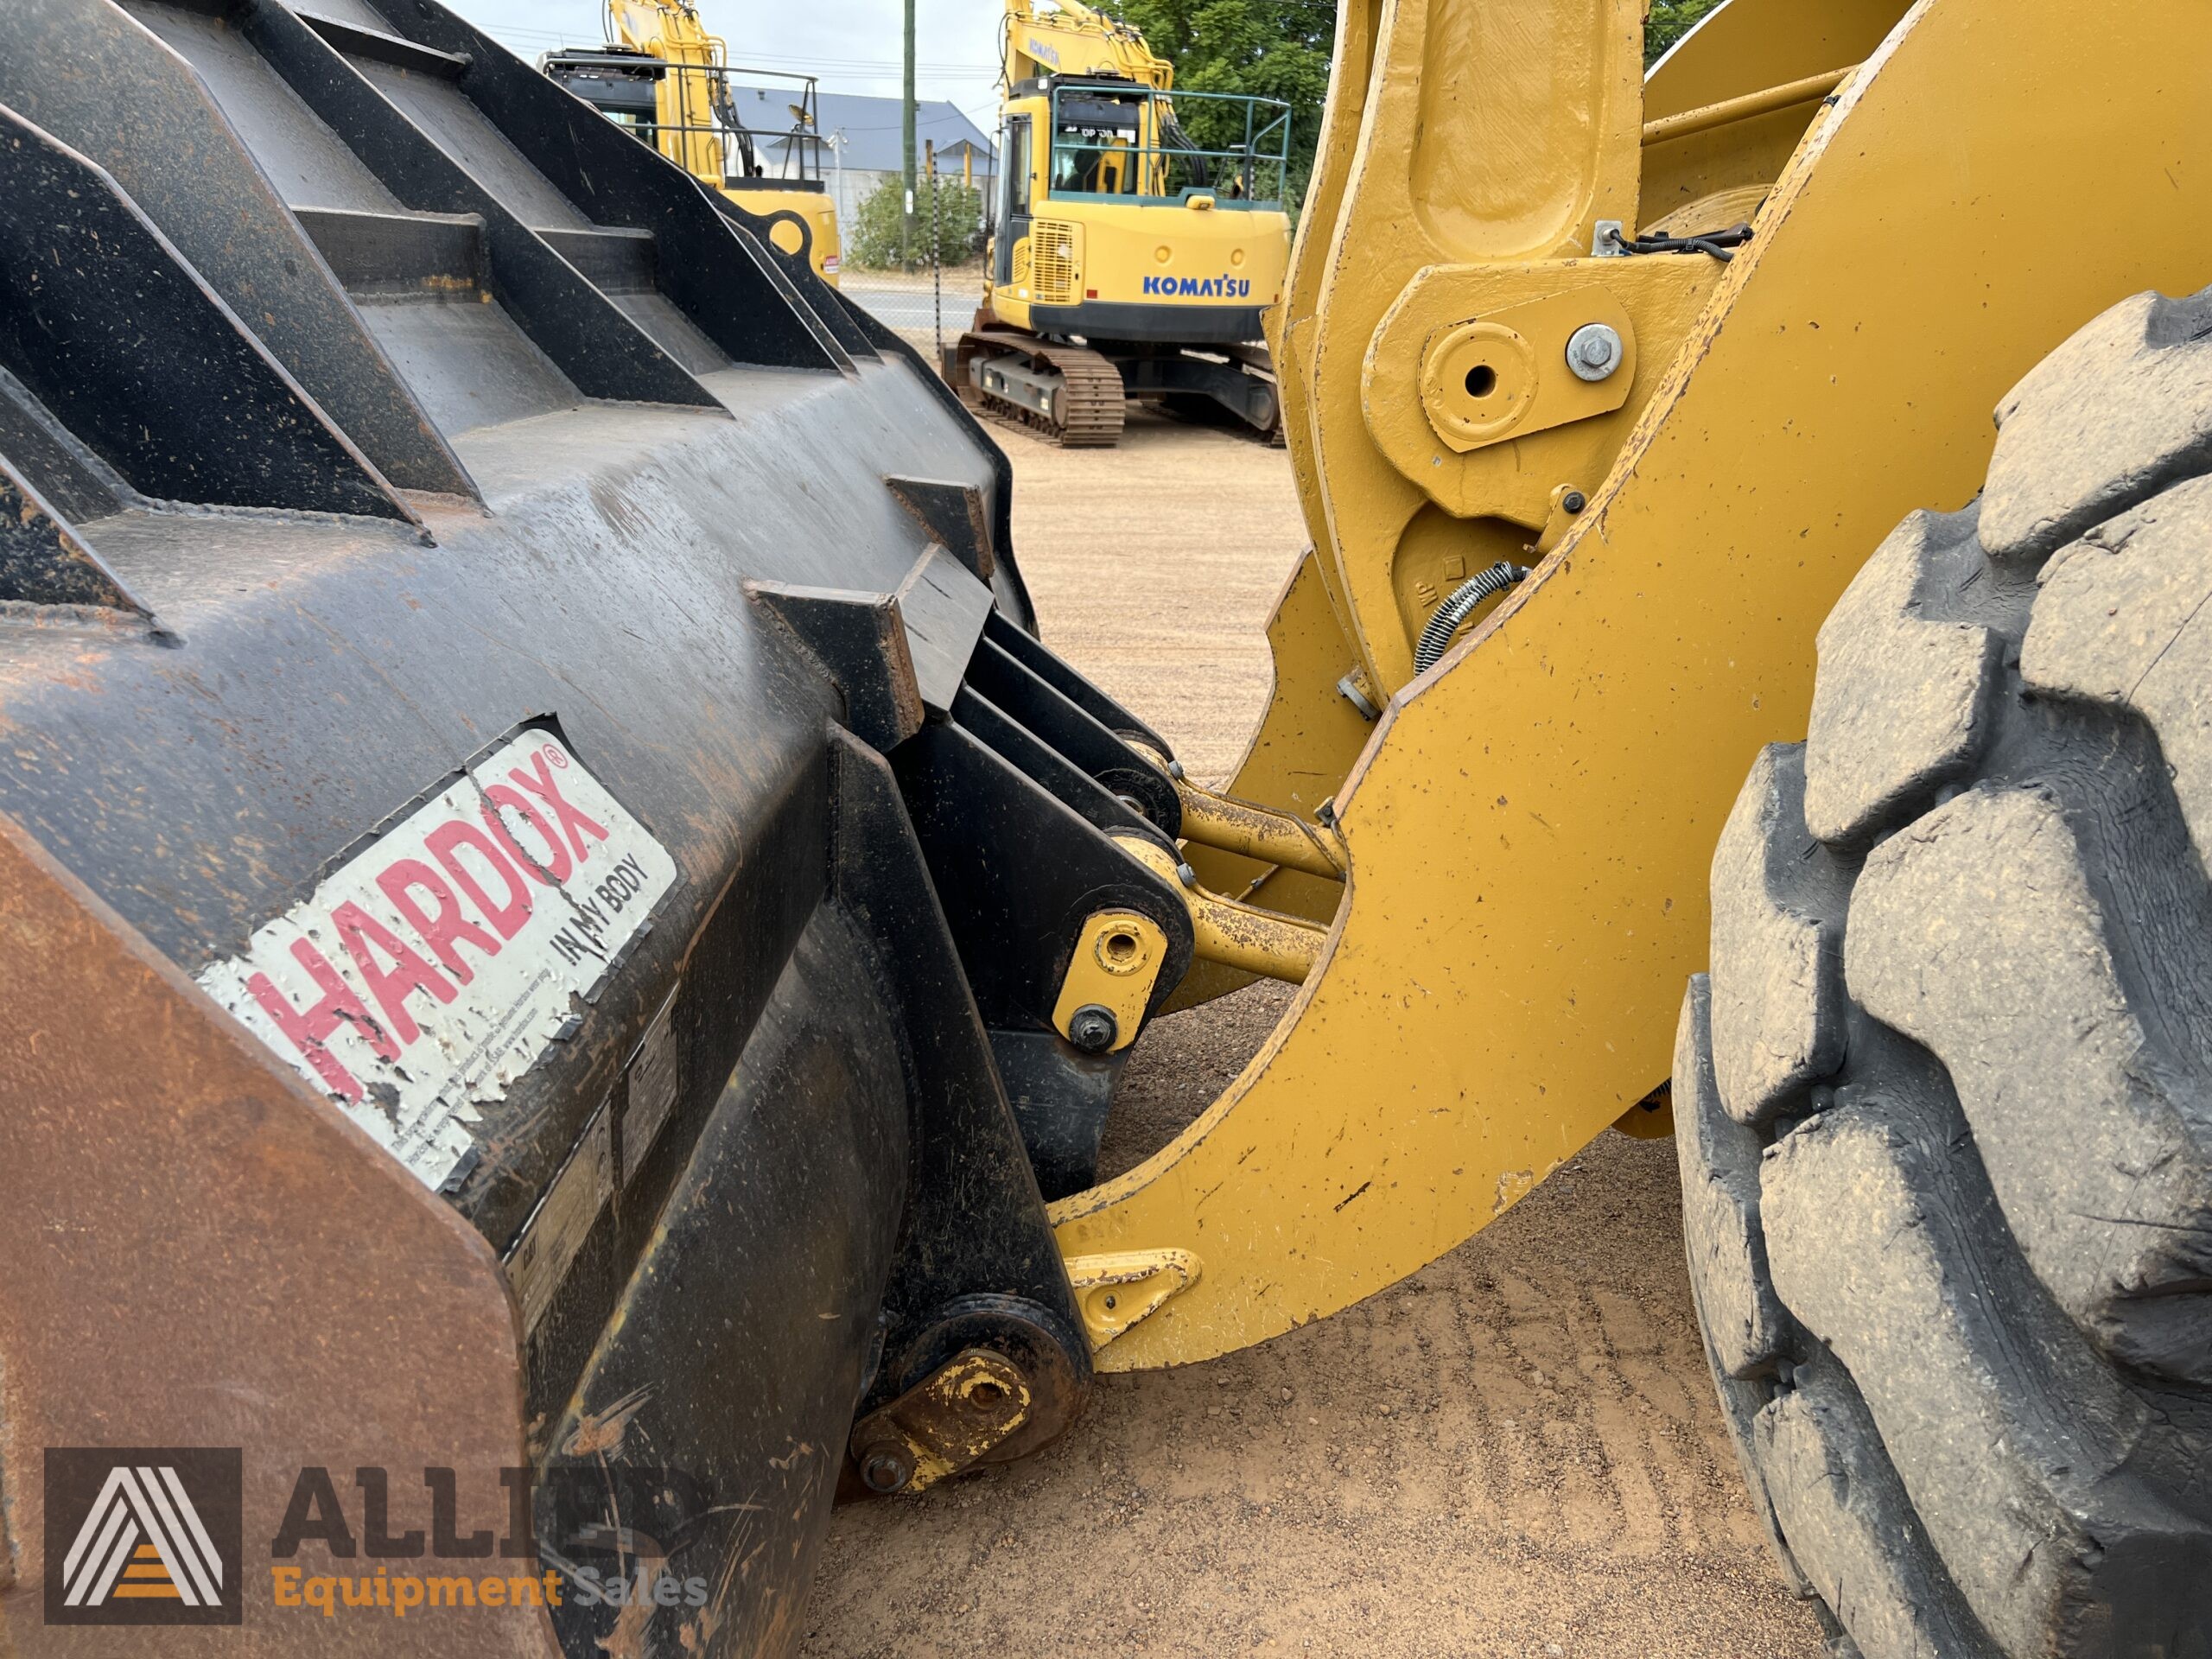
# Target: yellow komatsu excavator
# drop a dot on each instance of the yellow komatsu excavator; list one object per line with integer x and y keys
{"x": 567, "y": 946}
{"x": 670, "y": 81}
{"x": 1129, "y": 260}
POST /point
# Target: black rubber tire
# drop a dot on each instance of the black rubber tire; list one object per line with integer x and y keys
{"x": 1945, "y": 1097}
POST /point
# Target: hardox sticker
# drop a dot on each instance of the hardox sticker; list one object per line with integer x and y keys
{"x": 430, "y": 970}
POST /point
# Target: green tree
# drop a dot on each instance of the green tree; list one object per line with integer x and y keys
{"x": 1669, "y": 21}
{"x": 1262, "y": 48}
{"x": 879, "y": 221}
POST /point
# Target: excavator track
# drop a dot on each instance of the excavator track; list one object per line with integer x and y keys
{"x": 1089, "y": 406}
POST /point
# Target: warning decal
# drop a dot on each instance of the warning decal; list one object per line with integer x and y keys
{"x": 430, "y": 970}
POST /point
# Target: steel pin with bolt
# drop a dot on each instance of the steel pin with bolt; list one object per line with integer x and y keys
{"x": 1594, "y": 351}
{"x": 1093, "y": 1029}
{"x": 886, "y": 1469}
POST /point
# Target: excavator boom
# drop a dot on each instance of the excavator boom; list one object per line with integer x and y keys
{"x": 1064, "y": 37}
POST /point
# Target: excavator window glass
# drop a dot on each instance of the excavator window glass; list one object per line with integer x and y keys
{"x": 624, "y": 87}
{"x": 1106, "y": 141}
{"x": 1095, "y": 139}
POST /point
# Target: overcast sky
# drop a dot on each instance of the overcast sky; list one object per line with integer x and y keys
{"x": 852, "y": 46}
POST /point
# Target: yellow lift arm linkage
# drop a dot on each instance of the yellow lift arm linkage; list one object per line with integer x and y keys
{"x": 1528, "y": 825}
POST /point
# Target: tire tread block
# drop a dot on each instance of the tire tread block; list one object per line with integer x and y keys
{"x": 1835, "y": 1492}
{"x": 1904, "y": 700}
{"x": 1777, "y": 1003}
{"x": 2112, "y": 417}
{"x": 2124, "y": 618}
{"x": 2013, "y": 1446}
{"x": 1976, "y": 933}
{"x": 1744, "y": 1326}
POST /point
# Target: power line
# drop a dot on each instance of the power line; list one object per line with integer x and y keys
{"x": 939, "y": 68}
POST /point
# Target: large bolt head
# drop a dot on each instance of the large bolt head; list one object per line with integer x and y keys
{"x": 1594, "y": 351}
{"x": 1093, "y": 1029}
{"x": 887, "y": 1468}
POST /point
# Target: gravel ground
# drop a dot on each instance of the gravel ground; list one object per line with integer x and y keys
{"x": 1514, "y": 1452}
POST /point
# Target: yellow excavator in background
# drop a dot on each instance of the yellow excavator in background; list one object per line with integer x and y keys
{"x": 665, "y": 77}
{"x": 1127, "y": 261}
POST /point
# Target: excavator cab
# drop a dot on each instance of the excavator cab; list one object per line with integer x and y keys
{"x": 1131, "y": 256}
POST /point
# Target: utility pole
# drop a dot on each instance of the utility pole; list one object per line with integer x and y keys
{"x": 907, "y": 127}
{"x": 936, "y": 240}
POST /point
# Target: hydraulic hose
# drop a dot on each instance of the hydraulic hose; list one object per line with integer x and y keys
{"x": 1171, "y": 130}
{"x": 1458, "y": 608}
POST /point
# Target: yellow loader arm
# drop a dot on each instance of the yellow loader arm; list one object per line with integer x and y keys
{"x": 1937, "y": 196}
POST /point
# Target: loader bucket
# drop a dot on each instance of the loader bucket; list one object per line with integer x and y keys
{"x": 537, "y": 826}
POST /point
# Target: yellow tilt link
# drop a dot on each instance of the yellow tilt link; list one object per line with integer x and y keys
{"x": 1259, "y": 832}
{"x": 1236, "y": 826}
{"x": 1258, "y": 941}
{"x": 1116, "y": 963}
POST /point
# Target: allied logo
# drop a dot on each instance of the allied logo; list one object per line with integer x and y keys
{"x": 144, "y": 1535}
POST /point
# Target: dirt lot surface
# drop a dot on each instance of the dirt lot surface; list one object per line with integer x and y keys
{"x": 1155, "y": 567}
{"x": 1516, "y": 1452}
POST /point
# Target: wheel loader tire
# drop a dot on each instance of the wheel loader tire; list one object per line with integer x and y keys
{"x": 1945, "y": 1096}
